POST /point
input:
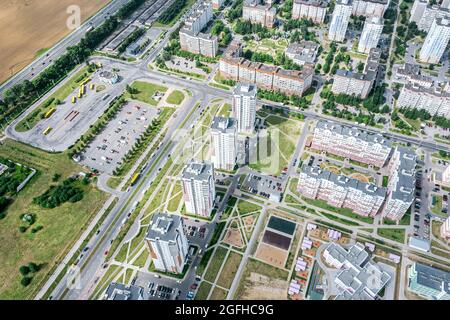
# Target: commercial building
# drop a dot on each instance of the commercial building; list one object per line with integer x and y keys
{"x": 217, "y": 4}
{"x": 198, "y": 188}
{"x": 340, "y": 191}
{"x": 445, "y": 229}
{"x": 351, "y": 143}
{"x": 266, "y": 77}
{"x": 401, "y": 183}
{"x": 433, "y": 99}
{"x": 371, "y": 34}
{"x": 442, "y": 177}
{"x": 369, "y": 8}
{"x": 109, "y": 77}
{"x": 224, "y": 143}
{"x": 358, "y": 84}
{"x": 191, "y": 37}
{"x": 339, "y": 20}
{"x": 428, "y": 282}
{"x": 263, "y": 14}
{"x": 119, "y": 292}
{"x": 410, "y": 74}
{"x": 244, "y": 107}
{"x": 424, "y": 14}
{"x": 314, "y": 10}
{"x": 356, "y": 280}
{"x": 138, "y": 46}
{"x": 167, "y": 242}
{"x": 436, "y": 41}
{"x": 304, "y": 52}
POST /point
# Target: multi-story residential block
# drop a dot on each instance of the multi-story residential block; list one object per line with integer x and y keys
{"x": 410, "y": 74}
{"x": 369, "y": 8}
{"x": 199, "y": 43}
{"x": 224, "y": 143}
{"x": 191, "y": 37}
{"x": 424, "y": 14}
{"x": 358, "y": 84}
{"x": 263, "y": 14}
{"x": 304, "y": 52}
{"x": 340, "y": 191}
{"x": 351, "y": 143}
{"x": 314, "y": 10}
{"x": 198, "y": 188}
{"x": 441, "y": 178}
{"x": 244, "y": 107}
{"x": 429, "y": 282}
{"x": 401, "y": 185}
{"x": 167, "y": 242}
{"x": 445, "y": 229}
{"x": 356, "y": 280}
{"x": 339, "y": 20}
{"x": 436, "y": 41}
{"x": 267, "y": 77}
{"x": 434, "y": 100}
{"x": 217, "y": 4}
{"x": 445, "y": 4}
{"x": 371, "y": 34}
{"x": 119, "y": 292}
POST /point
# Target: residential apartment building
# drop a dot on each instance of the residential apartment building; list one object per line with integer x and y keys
{"x": 217, "y": 4}
{"x": 198, "y": 188}
{"x": 424, "y": 14}
{"x": 429, "y": 282}
{"x": 351, "y": 143}
{"x": 371, "y": 34}
{"x": 224, "y": 143}
{"x": 434, "y": 99}
{"x": 263, "y": 14}
{"x": 303, "y": 52}
{"x": 356, "y": 280}
{"x": 244, "y": 107}
{"x": 191, "y": 37}
{"x": 167, "y": 242}
{"x": 401, "y": 185}
{"x": 314, "y": 10}
{"x": 445, "y": 229}
{"x": 436, "y": 41}
{"x": 266, "y": 77}
{"x": 358, "y": 84}
{"x": 369, "y": 8}
{"x": 410, "y": 74}
{"x": 340, "y": 191}
{"x": 339, "y": 20}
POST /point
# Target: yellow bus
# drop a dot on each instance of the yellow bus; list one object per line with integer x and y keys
{"x": 49, "y": 113}
{"x": 135, "y": 179}
{"x": 85, "y": 81}
{"x": 92, "y": 86}
{"x": 47, "y": 131}
{"x": 74, "y": 99}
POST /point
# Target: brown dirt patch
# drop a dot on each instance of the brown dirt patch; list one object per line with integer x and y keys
{"x": 360, "y": 177}
{"x": 234, "y": 237}
{"x": 271, "y": 255}
{"x": 263, "y": 288}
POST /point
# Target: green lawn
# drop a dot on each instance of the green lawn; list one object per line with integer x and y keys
{"x": 217, "y": 232}
{"x": 215, "y": 264}
{"x": 145, "y": 92}
{"x": 225, "y": 111}
{"x": 62, "y": 226}
{"x": 436, "y": 206}
{"x": 393, "y": 234}
{"x": 203, "y": 291}
{"x": 229, "y": 270}
{"x": 176, "y": 97}
{"x": 175, "y": 198}
{"x": 269, "y": 46}
{"x": 204, "y": 261}
{"x": 385, "y": 181}
{"x": 218, "y": 294}
{"x": 245, "y": 207}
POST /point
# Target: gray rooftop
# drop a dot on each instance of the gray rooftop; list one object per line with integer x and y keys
{"x": 224, "y": 125}
{"x": 405, "y": 186}
{"x": 119, "y": 291}
{"x": 198, "y": 170}
{"x": 245, "y": 89}
{"x": 434, "y": 278}
{"x": 164, "y": 227}
{"x": 315, "y": 3}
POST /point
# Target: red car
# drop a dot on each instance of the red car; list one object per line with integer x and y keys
{"x": 106, "y": 252}
{"x": 193, "y": 286}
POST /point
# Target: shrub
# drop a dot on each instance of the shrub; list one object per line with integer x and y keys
{"x": 22, "y": 229}
{"x": 25, "y": 281}
{"x": 24, "y": 270}
{"x": 33, "y": 267}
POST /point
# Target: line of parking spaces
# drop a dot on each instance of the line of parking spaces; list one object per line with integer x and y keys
{"x": 107, "y": 150}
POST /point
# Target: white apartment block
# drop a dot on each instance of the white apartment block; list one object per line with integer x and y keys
{"x": 224, "y": 143}
{"x": 244, "y": 107}
{"x": 263, "y": 14}
{"x": 371, "y": 34}
{"x": 369, "y": 8}
{"x": 339, "y": 20}
{"x": 199, "y": 18}
{"x": 351, "y": 143}
{"x": 304, "y": 52}
{"x": 198, "y": 188}
{"x": 410, "y": 74}
{"x": 436, "y": 41}
{"x": 314, "y": 10}
{"x": 401, "y": 185}
{"x": 434, "y": 100}
{"x": 167, "y": 242}
{"x": 424, "y": 14}
{"x": 217, "y": 4}
{"x": 445, "y": 230}
{"x": 199, "y": 43}
{"x": 340, "y": 191}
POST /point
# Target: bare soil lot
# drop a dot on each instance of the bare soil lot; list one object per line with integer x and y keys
{"x": 28, "y": 27}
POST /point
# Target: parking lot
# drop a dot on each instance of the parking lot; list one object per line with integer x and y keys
{"x": 184, "y": 65}
{"x": 265, "y": 186}
{"x": 108, "y": 148}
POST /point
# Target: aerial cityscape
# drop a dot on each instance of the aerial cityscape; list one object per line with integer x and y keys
{"x": 225, "y": 150}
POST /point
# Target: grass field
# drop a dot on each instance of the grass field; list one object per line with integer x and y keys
{"x": 247, "y": 207}
{"x": 145, "y": 90}
{"x": 218, "y": 294}
{"x": 229, "y": 270}
{"x": 215, "y": 264}
{"x": 393, "y": 234}
{"x": 27, "y": 28}
{"x": 61, "y": 226}
{"x": 203, "y": 291}
{"x": 176, "y": 97}
{"x": 269, "y": 46}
